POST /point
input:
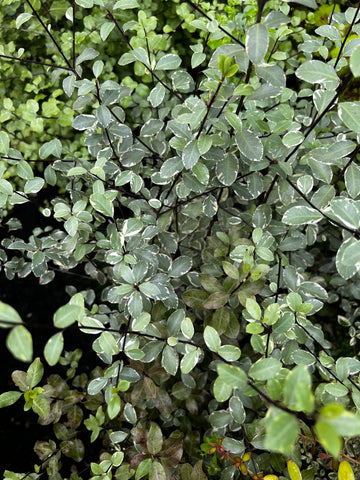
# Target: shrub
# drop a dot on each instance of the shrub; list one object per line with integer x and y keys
{"x": 208, "y": 189}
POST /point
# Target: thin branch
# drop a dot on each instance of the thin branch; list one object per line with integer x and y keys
{"x": 36, "y": 62}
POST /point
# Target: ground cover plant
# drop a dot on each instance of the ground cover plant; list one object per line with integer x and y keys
{"x": 196, "y": 165}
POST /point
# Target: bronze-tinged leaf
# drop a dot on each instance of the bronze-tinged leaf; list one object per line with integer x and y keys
{"x": 149, "y": 387}
{"x": 163, "y": 402}
{"x": 171, "y": 452}
{"x": 216, "y": 300}
{"x": 195, "y": 298}
{"x": 197, "y": 472}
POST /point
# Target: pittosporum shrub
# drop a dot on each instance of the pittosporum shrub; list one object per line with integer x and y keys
{"x": 204, "y": 159}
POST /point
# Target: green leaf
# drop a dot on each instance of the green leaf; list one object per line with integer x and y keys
{"x": 157, "y": 471}
{"x": 67, "y": 315}
{"x": 265, "y": 368}
{"x": 249, "y": 145}
{"x": 315, "y": 71}
{"x": 149, "y": 289}
{"x": 34, "y": 185}
{"x": 155, "y": 439}
{"x": 180, "y": 266}
{"x": 53, "y": 348}
{"x": 169, "y": 61}
{"x": 143, "y": 468}
{"x": 212, "y": 339}
{"x": 9, "y": 398}
{"x": 355, "y": 62}
{"x": 53, "y": 148}
{"x": 237, "y": 410}
{"x": 103, "y": 115}
{"x": 9, "y": 315}
{"x": 301, "y": 215}
{"x": 24, "y": 170}
{"x": 297, "y": 390}
{"x": 232, "y": 376}
{"x": 41, "y": 406}
{"x": 282, "y": 430}
{"x": 257, "y": 43}
{"x": 102, "y": 204}
{"x": 19, "y": 342}
{"x": 349, "y": 112}
{"x": 344, "y": 210}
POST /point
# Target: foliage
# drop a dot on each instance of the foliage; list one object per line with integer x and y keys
{"x": 204, "y": 160}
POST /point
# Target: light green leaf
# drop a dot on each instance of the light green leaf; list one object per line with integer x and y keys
{"x": 230, "y": 353}
{"x": 83, "y": 122}
{"x": 237, "y": 410}
{"x": 67, "y": 315}
{"x": 265, "y": 368}
{"x": 19, "y": 342}
{"x": 282, "y": 430}
{"x": 125, "y": 4}
{"x": 9, "y": 315}
{"x": 297, "y": 390}
{"x": 35, "y": 373}
{"x": 114, "y": 406}
{"x": 157, "y": 471}
{"x": 143, "y": 468}
{"x": 8, "y": 398}
{"x": 222, "y": 390}
{"x": 257, "y": 42}
{"x": 329, "y": 438}
{"x": 155, "y": 439}
{"x": 168, "y": 62}
{"x": 108, "y": 343}
{"x": 315, "y": 71}
{"x": 4, "y": 143}
{"x": 212, "y": 339}
{"x": 102, "y": 204}
{"x": 87, "y": 54}
{"x": 232, "y": 376}
{"x": 301, "y": 215}
{"x": 53, "y": 348}
{"x": 24, "y": 170}
{"x": 103, "y": 115}
{"x": 345, "y": 211}
{"x": 355, "y": 62}
{"x": 253, "y": 309}
{"x": 53, "y": 147}
{"x": 149, "y": 289}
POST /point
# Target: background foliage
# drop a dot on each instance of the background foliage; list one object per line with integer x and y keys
{"x": 196, "y": 165}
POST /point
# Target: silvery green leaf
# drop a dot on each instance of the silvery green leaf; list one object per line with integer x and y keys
{"x": 169, "y": 61}
{"x": 249, "y": 145}
{"x": 272, "y": 74}
{"x": 301, "y": 215}
{"x": 190, "y": 154}
{"x": 345, "y": 211}
{"x": 257, "y": 42}
{"x": 352, "y": 180}
{"x": 349, "y": 112}
{"x": 157, "y": 95}
{"x": 53, "y": 147}
{"x": 227, "y": 169}
{"x": 86, "y": 54}
{"x": 315, "y": 71}
{"x": 180, "y": 266}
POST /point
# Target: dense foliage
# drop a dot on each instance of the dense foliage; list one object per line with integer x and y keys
{"x": 198, "y": 164}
